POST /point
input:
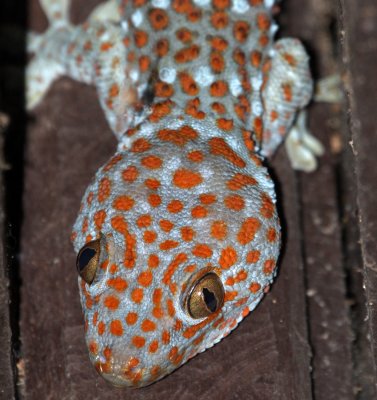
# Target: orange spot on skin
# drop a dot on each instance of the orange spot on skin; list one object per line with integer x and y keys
{"x": 152, "y": 184}
{"x": 130, "y": 174}
{"x": 217, "y": 62}
{"x": 239, "y": 181}
{"x": 119, "y": 284}
{"x": 162, "y": 47}
{"x": 158, "y": 19}
{"x": 263, "y": 22}
{"x": 248, "y": 230}
{"x": 207, "y": 198}
{"x": 219, "y": 43}
{"x": 219, "y": 230}
{"x": 148, "y": 326}
{"x": 253, "y": 256}
{"x": 104, "y": 189}
{"x": 111, "y": 302}
{"x": 267, "y": 209}
{"x": 131, "y": 318}
{"x": 166, "y": 225}
{"x": 228, "y": 257}
{"x": 119, "y": 224}
{"x": 271, "y": 235}
{"x": 138, "y": 341}
{"x": 140, "y": 38}
{"x": 199, "y": 212}
{"x": 202, "y": 251}
{"x": 140, "y": 145}
{"x": 154, "y": 200}
{"x": 254, "y": 287}
{"x": 218, "y": 89}
{"x": 99, "y": 218}
{"x": 123, "y": 203}
{"x": 177, "y": 261}
{"x": 221, "y": 4}
{"x": 153, "y": 261}
{"x": 153, "y": 347}
{"x": 187, "y": 54}
{"x": 186, "y": 179}
{"x": 93, "y": 347}
{"x": 188, "y": 84}
{"x": 114, "y": 90}
{"x": 287, "y": 92}
{"x": 234, "y": 202}
{"x": 145, "y": 278}
{"x": 230, "y": 296}
{"x": 144, "y": 63}
{"x": 163, "y": 89}
{"x": 106, "y": 46}
{"x": 219, "y": 147}
{"x": 144, "y": 221}
{"x": 195, "y": 156}
{"x": 101, "y": 328}
{"x": 241, "y": 31}
{"x": 184, "y": 35}
{"x": 269, "y": 267}
{"x": 157, "y": 296}
{"x": 179, "y": 137}
{"x": 168, "y": 245}
{"x": 225, "y": 124}
{"x": 219, "y": 20}
{"x": 149, "y": 236}
{"x": 137, "y": 295}
{"x": 187, "y": 233}
{"x": 255, "y": 58}
{"x": 165, "y": 337}
{"x": 175, "y": 206}
{"x": 151, "y": 162}
{"x": 171, "y": 309}
{"x": 116, "y": 327}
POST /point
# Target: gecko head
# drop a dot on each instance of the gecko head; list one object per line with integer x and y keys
{"x": 177, "y": 241}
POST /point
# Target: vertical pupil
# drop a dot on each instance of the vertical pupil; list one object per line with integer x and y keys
{"x": 210, "y": 300}
{"x": 85, "y": 256}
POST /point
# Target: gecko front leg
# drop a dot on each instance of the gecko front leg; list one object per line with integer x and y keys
{"x": 287, "y": 91}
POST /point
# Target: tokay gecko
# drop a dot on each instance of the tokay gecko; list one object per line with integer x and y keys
{"x": 177, "y": 236}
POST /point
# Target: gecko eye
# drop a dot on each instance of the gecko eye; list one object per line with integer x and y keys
{"x": 87, "y": 260}
{"x": 206, "y": 296}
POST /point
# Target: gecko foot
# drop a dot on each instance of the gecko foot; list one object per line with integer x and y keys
{"x": 302, "y": 147}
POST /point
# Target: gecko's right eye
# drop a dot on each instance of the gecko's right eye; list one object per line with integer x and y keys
{"x": 87, "y": 261}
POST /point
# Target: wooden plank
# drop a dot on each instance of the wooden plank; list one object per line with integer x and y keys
{"x": 7, "y": 376}
{"x": 359, "y": 54}
{"x": 327, "y": 306}
{"x": 267, "y": 357}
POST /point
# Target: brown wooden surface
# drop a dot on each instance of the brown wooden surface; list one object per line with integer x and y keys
{"x": 308, "y": 338}
{"x": 359, "y": 54}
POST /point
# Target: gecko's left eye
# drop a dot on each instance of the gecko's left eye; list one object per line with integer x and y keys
{"x": 87, "y": 261}
{"x": 206, "y": 296}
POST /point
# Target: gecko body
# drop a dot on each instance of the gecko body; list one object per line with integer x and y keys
{"x": 177, "y": 236}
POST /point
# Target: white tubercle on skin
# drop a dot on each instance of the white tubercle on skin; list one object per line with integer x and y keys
{"x": 235, "y": 86}
{"x": 269, "y": 3}
{"x": 202, "y": 3}
{"x": 161, "y": 3}
{"x": 240, "y": 6}
{"x": 137, "y": 18}
{"x": 203, "y": 76}
{"x": 168, "y": 75}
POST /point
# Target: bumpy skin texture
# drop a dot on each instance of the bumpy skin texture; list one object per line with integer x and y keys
{"x": 197, "y": 92}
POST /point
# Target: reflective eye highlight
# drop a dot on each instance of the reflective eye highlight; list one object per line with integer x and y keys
{"x": 206, "y": 296}
{"x": 87, "y": 261}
